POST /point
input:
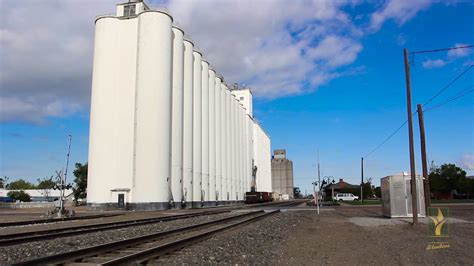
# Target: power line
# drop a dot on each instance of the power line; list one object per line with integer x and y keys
{"x": 430, "y": 100}
{"x": 387, "y": 139}
{"x": 459, "y": 95}
{"x": 443, "y": 49}
{"x": 448, "y": 85}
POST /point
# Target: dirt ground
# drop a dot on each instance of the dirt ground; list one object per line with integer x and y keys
{"x": 334, "y": 238}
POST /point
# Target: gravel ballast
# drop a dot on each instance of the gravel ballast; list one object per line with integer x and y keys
{"x": 249, "y": 244}
{"x": 26, "y": 251}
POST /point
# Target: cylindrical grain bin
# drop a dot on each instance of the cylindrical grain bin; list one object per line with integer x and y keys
{"x": 197, "y": 130}
{"x": 111, "y": 136}
{"x": 218, "y": 130}
{"x": 234, "y": 148}
{"x": 212, "y": 138}
{"x": 248, "y": 127}
{"x": 205, "y": 130}
{"x": 224, "y": 150}
{"x": 229, "y": 144}
{"x": 241, "y": 151}
{"x": 153, "y": 111}
{"x": 188, "y": 124}
{"x": 177, "y": 117}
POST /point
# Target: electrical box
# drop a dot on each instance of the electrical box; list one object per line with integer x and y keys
{"x": 396, "y": 196}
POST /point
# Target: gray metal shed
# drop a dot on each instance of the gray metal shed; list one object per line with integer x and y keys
{"x": 396, "y": 196}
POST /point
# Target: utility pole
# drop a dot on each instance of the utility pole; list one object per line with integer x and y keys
{"x": 361, "y": 178}
{"x": 410, "y": 138}
{"x": 319, "y": 179}
{"x": 426, "y": 182}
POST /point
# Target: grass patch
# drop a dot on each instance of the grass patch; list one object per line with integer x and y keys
{"x": 365, "y": 202}
{"x": 453, "y": 201}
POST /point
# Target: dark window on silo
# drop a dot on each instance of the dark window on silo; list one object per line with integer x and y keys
{"x": 129, "y": 10}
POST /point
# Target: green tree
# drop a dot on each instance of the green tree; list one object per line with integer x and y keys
{"x": 367, "y": 189}
{"x": 3, "y": 181}
{"x": 378, "y": 192}
{"x": 296, "y": 192}
{"x": 20, "y": 184}
{"x": 79, "y": 190}
{"x": 446, "y": 178}
{"x": 19, "y": 195}
{"x": 46, "y": 183}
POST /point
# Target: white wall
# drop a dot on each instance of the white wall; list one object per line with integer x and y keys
{"x": 262, "y": 157}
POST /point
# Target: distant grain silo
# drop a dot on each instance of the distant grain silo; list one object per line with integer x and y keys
{"x": 282, "y": 175}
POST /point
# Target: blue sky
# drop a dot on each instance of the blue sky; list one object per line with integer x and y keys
{"x": 325, "y": 75}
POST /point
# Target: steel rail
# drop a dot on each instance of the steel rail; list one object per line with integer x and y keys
{"x": 56, "y": 220}
{"x": 17, "y": 238}
{"x": 154, "y": 252}
{"x": 80, "y": 254}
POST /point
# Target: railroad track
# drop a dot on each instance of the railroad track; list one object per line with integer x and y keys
{"x": 56, "y": 220}
{"x": 19, "y": 238}
{"x": 287, "y": 204}
{"x": 148, "y": 248}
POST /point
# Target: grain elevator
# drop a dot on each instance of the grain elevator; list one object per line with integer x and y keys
{"x": 166, "y": 130}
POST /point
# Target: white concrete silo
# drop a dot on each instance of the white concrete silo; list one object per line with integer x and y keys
{"x": 205, "y": 130}
{"x": 249, "y": 132}
{"x": 112, "y": 110}
{"x": 244, "y": 155}
{"x": 153, "y": 111}
{"x": 238, "y": 170}
{"x": 197, "y": 129}
{"x": 225, "y": 144}
{"x": 187, "y": 190}
{"x": 230, "y": 147}
{"x": 223, "y": 192}
{"x": 242, "y": 150}
{"x": 177, "y": 117}
{"x": 212, "y": 137}
{"x": 218, "y": 131}
{"x": 235, "y": 190}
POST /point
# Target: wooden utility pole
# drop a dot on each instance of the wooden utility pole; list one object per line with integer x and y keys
{"x": 426, "y": 182}
{"x": 410, "y": 138}
{"x": 361, "y": 178}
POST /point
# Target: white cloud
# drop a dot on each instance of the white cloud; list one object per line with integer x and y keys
{"x": 34, "y": 109}
{"x": 273, "y": 46}
{"x": 399, "y": 10}
{"x": 467, "y": 162}
{"x": 437, "y": 63}
{"x": 46, "y": 57}
{"x": 277, "y": 48}
{"x": 456, "y": 53}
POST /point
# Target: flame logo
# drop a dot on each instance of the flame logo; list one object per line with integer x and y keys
{"x": 438, "y": 222}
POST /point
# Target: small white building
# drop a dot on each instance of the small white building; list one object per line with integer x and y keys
{"x": 41, "y": 195}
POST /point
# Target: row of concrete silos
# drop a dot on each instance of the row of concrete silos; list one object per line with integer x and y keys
{"x": 212, "y": 129}
{"x": 165, "y": 131}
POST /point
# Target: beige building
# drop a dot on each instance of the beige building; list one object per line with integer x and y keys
{"x": 282, "y": 175}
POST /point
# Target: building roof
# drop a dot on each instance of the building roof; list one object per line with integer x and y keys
{"x": 341, "y": 184}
